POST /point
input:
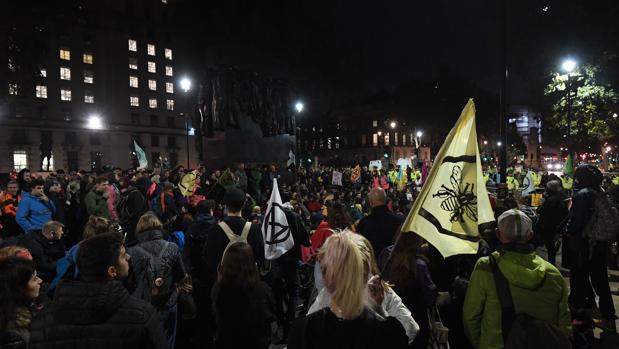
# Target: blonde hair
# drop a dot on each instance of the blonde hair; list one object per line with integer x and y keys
{"x": 148, "y": 221}
{"x": 342, "y": 268}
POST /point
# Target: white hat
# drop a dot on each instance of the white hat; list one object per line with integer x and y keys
{"x": 515, "y": 226}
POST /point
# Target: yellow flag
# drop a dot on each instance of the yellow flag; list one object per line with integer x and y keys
{"x": 454, "y": 200}
{"x": 187, "y": 183}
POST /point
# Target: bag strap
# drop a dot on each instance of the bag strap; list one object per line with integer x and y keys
{"x": 229, "y": 233}
{"x": 245, "y": 232}
{"x": 505, "y": 298}
{"x": 162, "y": 251}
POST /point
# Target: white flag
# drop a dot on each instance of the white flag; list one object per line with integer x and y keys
{"x": 336, "y": 178}
{"x": 291, "y": 159}
{"x": 528, "y": 184}
{"x": 275, "y": 230}
{"x": 139, "y": 152}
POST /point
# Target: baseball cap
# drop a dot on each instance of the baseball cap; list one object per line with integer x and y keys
{"x": 515, "y": 226}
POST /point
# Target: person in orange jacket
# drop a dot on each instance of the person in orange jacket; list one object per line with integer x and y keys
{"x": 9, "y": 202}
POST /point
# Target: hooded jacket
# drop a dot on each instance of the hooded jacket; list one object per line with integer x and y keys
{"x": 537, "y": 289}
{"x": 33, "y": 213}
{"x": 97, "y": 315}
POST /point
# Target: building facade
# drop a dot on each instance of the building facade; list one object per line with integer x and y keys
{"x": 83, "y": 80}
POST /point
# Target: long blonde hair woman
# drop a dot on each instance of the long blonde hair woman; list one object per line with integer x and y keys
{"x": 346, "y": 321}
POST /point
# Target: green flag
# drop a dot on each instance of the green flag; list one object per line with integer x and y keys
{"x": 568, "y": 167}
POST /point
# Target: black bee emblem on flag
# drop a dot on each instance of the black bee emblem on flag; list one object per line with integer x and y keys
{"x": 460, "y": 199}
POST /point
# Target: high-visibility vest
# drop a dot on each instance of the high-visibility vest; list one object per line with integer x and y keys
{"x": 393, "y": 176}
{"x": 537, "y": 179}
{"x": 616, "y": 180}
{"x": 486, "y": 178}
{"x": 567, "y": 183}
{"x": 512, "y": 183}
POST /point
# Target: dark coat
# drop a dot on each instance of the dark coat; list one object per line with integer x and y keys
{"x": 551, "y": 214}
{"x": 243, "y": 317}
{"x": 97, "y": 315}
{"x": 380, "y": 227}
{"x": 135, "y": 208}
{"x": 45, "y": 253}
{"x": 195, "y": 242}
{"x": 324, "y": 330}
{"x": 217, "y": 241}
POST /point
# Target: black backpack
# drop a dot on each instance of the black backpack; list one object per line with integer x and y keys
{"x": 153, "y": 276}
{"x": 523, "y": 331}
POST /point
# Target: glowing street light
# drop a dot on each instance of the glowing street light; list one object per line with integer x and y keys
{"x": 94, "y": 122}
{"x": 568, "y": 65}
{"x": 419, "y": 134}
{"x": 485, "y": 142}
{"x": 499, "y": 144}
{"x": 380, "y": 133}
{"x": 185, "y": 84}
{"x": 615, "y": 115}
{"x": 393, "y": 124}
{"x": 299, "y": 107}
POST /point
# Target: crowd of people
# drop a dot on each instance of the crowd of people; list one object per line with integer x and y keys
{"x": 174, "y": 259}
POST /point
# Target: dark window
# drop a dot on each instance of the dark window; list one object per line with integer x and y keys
{"x": 171, "y": 141}
{"x": 135, "y": 118}
{"x": 95, "y": 138}
{"x": 154, "y": 141}
{"x": 46, "y": 137}
{"x": 73, "y": 161}
{"x": 155, "y": 159}
{"x": 42, "y": 111}
{"x": 154, "y": 120}
{"x": 70, "y": 138}
{"x": 173, "y": 159}
{"x": 170, "y": 122}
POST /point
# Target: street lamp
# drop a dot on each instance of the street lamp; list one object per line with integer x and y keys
{"x": 568, "y": 66}
{"x": 186, "y": 86}
{"x": 393, "y": 124}
{"x": 380, "y": 133}
{"x": 299, "y": 107}
{"x": 615, "y": 115}
{"x": 94, "y": 122}
{"x": 485, "y": 142}
{"x": 499, "y": 144}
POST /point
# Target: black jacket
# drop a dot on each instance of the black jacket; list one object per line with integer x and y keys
{"x": 243, "y": 317}
{"x": 551, "y": 214}
{"x": 217, "y": 241}
{"x": 134, "y": 209}
{"x": 324, "y": 330}
{"x": 45, "y": 253}
{"x": 97, "y": 315}
{"x": 380, "y": 227}
{"x": 195, "y": 242}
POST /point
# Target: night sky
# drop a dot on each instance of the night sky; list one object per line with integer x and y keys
{"x": 339, "y": 52}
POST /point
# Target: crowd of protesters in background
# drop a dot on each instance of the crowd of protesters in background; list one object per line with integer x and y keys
{"x": 175, "y": 259}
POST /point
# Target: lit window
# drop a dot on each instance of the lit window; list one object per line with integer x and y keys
{"x": 169, "y": 87}
{"x": 133, "y": 63}
{"x": 13, "y": 89}
{"x": 386, "y": 138}
{"x": 133, "y": 45}
{"x": 150, "y": 49}
{"x": 152, "y": 103}
{"x": 41, "y": 91}
{"x": 12, "y": 65}
{"x": 134, "y": 101}
{"x": 151, "y": 67}
{"x": 168, "y": 53}
{"x": 374, "y": 123}
{"x": 89, "y": 98}
{"x": 152, "y": 85}
{"x": 133, "y": 81}
{"x": 20, "y": 160}
{"x": 169, "y": 104}
{"x": 164, "y": 1}
{"x": 65, "y": 73}
{"x": 404, "y": 139}
{"x": 43, "y": 72}
{"x": 88, "y": 58}
{"x": 395, "y": 138}
{"x": 65, "y": 54}
{"x": 168, "y": 71}
{"x": 375, "y": 139}
{"x": 65, "y": 95}
{"x": 89, "y": 77}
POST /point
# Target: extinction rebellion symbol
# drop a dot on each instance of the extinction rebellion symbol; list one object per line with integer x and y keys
{"x": 460, "y": 199}
{"x": 279, "y": 232}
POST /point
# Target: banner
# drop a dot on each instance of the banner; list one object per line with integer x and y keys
{"x": 139, "y": 152}
{"x": 454, "y": 201}
{"x": 377, "y": 163}
{"x": 355, "y": 176}
{"x": 403, "y": 162}
{"x": 275, "y": 230}
{"x": 528, "y": 184}
{"x": 568, "y": 167}
{"x": 336, "y": 178}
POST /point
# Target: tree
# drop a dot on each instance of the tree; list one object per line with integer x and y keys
{"x": 593, "y": 105}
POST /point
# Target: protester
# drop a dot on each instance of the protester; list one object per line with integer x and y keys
{"x": 35, "y": 209}
{"x": 408, "y": 271}
{"x": 536, "y": 286}
{"x": 152, "y": 254}
{"x": 46, "y": 247}
{"x": 130, "y": 207}
{"x": 552, "y": 214}
{"x": 587, "y": 259}
{"x": 96, "y": 199}
{"x": 381, "y": 226}
{"x": 9, "y": 203}
{"x": 348, "y": 321}
{"x": 242, "y": 301}
{"x": 97, "y": 311}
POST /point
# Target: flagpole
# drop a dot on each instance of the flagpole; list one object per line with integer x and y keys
{"x": 503, "y": 97}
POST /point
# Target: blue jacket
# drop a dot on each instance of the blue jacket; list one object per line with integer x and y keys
{"x": 33, "y": 213}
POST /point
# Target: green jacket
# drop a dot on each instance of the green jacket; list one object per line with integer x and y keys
{"x": 537, "y": 288}
{"x": 96, "y": 205}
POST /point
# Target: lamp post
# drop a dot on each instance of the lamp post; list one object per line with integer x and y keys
{"x": 299, "y": 108}
{"x": 568, "y": 66}
{"x": 186, "y": 86}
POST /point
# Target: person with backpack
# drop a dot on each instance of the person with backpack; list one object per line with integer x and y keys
{"x": 130, "y": 206}
{"x": 164, "y": 204}
{"x": 157, "y": 271}
{"x": 532, "y": 297}
{"x": 592, "y": 226}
